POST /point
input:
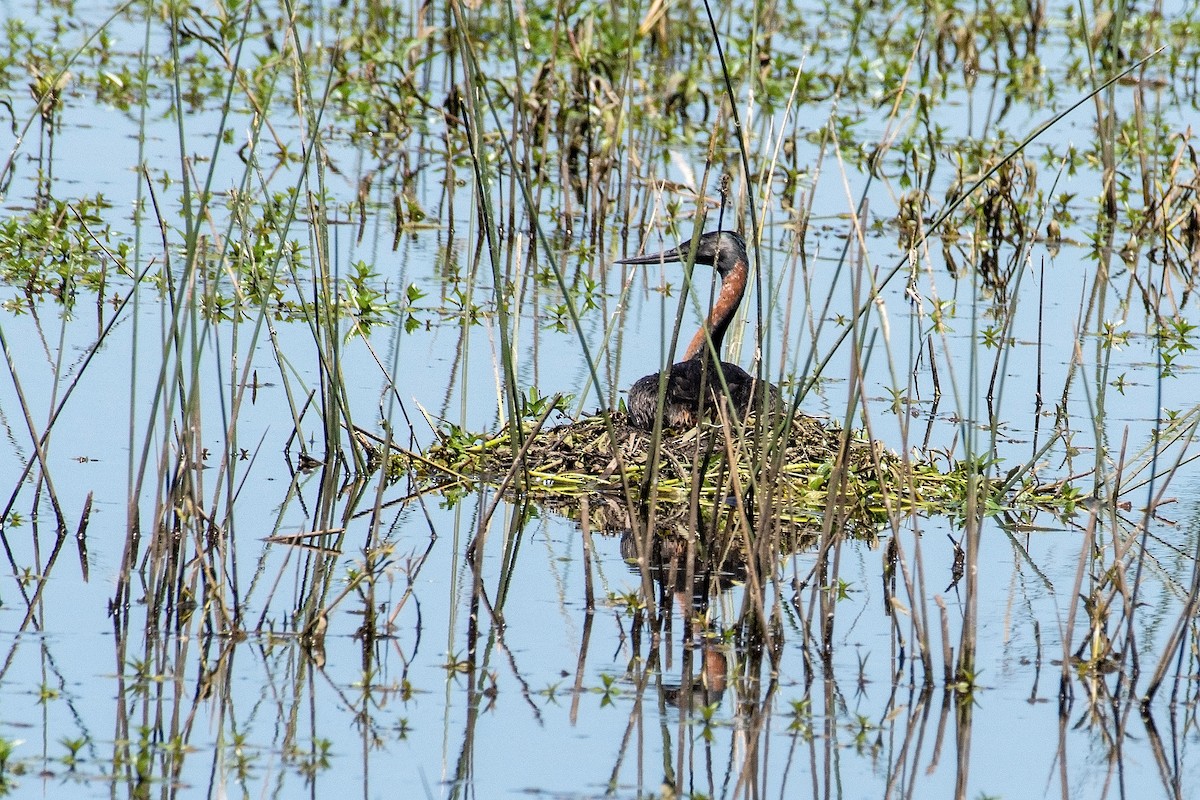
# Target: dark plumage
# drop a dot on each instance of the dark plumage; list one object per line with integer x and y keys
{"x": 683, "y": 405}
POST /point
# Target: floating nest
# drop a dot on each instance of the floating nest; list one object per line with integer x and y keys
{"x": 600, "y": 469}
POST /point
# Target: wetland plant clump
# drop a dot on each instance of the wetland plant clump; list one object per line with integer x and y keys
{"x": 806, "y": 470}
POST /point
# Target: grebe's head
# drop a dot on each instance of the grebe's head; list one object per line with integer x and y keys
{"x": 721, "y": 249}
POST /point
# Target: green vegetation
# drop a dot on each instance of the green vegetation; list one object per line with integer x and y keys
{"x": 974, "y": 231}
{"x": 559, "y": 465}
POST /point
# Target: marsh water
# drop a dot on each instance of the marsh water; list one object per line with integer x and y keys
{"x": 239, "y": 238}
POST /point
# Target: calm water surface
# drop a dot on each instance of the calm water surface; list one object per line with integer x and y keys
{"x": 488, "y": 675}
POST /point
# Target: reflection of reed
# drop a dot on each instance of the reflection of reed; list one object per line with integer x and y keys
{"x": 191, "y": 624}
{"x": 724, "y": 709}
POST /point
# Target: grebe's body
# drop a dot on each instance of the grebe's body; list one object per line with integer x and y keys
{"x": 685, "y": 404}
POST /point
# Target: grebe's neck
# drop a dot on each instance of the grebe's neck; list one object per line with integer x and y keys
{"x": 733, "y": 286}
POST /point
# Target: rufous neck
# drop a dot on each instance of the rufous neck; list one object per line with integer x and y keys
{"x": 733, "y": 286}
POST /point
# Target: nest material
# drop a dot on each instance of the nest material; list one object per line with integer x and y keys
{"x": 789, "y": 472}
{"x": 789, "y": 481}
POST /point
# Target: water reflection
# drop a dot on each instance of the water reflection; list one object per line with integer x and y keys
{"x": 428, "y": 658}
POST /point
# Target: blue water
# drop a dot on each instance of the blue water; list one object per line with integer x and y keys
{"x": 559, "y": 701}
